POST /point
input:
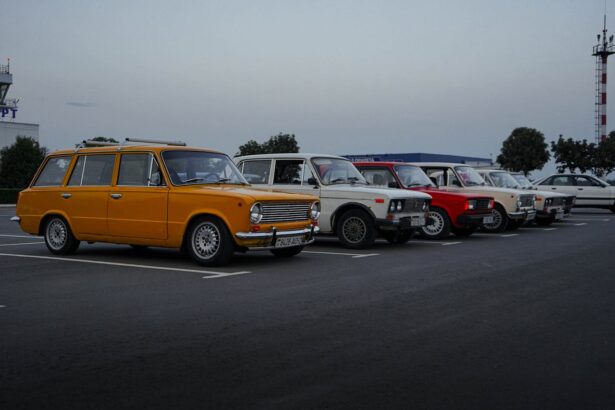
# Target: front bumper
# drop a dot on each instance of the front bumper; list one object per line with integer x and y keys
{"x": 16, "y": 219}
{"x": 403, "y": 222}
{"x": 467, "y": 220}
{"x": 267, "y": 240}
{"x": 553, "y": 213}
{"x": 528, "y": 215}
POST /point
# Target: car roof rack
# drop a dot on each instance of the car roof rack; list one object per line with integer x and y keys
{"x": 136, "y": 141}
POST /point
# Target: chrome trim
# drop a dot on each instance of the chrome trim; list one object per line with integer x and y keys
{"x": 16, "y": 219}
{"x": 522, "y": 213}
{"x": 277, "y": 234}
{"x": 266, "y": 248}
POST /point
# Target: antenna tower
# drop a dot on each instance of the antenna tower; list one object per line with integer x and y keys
{"x": 601, "y": 51}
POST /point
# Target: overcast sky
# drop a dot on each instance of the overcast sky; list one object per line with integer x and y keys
{"x": 344, "y": 76}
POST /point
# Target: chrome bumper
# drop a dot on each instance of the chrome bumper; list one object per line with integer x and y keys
{"x": 527, "y": 215}
{"x": 274, "y": 233}
{"x": 16, "y": 219}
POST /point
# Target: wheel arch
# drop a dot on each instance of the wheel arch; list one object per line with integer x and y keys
{"x": 347, "y": 207}
{"x": 200, "y": 214}
{"x": 50, "y": 214}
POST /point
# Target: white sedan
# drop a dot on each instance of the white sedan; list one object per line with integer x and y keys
{"x": 590, "y": 191}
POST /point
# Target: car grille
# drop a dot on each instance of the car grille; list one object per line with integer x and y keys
{"x": 482, "y": 203}
{"x": 285, "y": 211}
{"x": 527, "y": 201}
{"x": 557, "y": 201}
{"x": 414, "y": 205}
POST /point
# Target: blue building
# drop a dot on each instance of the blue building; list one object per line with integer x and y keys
{"x": 421, "y": 157}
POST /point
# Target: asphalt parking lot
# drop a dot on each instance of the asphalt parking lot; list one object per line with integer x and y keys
{"x": 520, "y": 320}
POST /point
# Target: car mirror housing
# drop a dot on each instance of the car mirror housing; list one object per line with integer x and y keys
{"x": 393, "y": 184}
{"x": 312, "y": 181}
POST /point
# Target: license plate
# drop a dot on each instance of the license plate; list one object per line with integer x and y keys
{"x": 417, "y": 221}
{"x": 530, "y": 217}
{"x": 288, "y": 241}
{"x": 488, "y": 220}
{"x": 559, "y": 214}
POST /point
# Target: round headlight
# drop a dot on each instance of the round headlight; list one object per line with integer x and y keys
{"x": 425, "y": 207}
{"x": 392, "y": 207}
{"x": 519, "y": 203}
{"x": 399, "y": 206}
{"x": 256, "y": 213}
{"x": 315, "y": 211}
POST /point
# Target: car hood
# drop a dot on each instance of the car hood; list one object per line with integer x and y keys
{"x": 548, "y": 194}
{"x": 240, "y": 191}
{"x": 362, "y": 191}
{"x": 487, "y": 189}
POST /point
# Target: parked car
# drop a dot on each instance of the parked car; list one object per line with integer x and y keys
{"x": 456, "y": 212}
{"x": 525, "y": 183}
{"x": 352, "y": 210}
{"x": 590, "y": 191}
{"x": 168, "y": 196}
{"x": 549, "y": 205}
{"x": 512, "y": 207}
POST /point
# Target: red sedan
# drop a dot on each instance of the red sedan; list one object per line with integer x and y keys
{"x": 454, "y": 212}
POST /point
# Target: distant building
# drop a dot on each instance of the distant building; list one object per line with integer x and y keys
{"x": 10, "y": 130}
{"x": 421, "y": 157}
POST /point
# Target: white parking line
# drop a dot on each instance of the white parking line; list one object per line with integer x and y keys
{"x": 510, "y": 235}
{"x": 22, "y": 243}
{"x": 451, "y": 243}
{"x": 2, "y": 306}
{"x": 581, "y": 224}
{"x": 20, "y": 236}
{"x": 128, "y": 265}
{"x": 433, "y": 242}
{"x": 352, "y": 255}
{"x": 549, "y": 229}
{"x": 224, "y": 275}
{"x": 589, "y": 219}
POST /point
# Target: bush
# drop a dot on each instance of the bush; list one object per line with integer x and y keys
{"x": 8, "y": 196}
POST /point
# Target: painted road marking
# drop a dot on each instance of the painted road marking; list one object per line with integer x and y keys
{"x": 22, "y": 243}
{"x": 127, "y": 265}
{"x": 434, "y": 242}
{"x": 549, "y": 229}
{"x": 352, "y": 255}
{"x": 224, "y": 275}
{"x": 581, "y": 224}
{"x": 589, "y": 219}
{"x": 2, "y": 306}
{"x": 21, "y": 236}
{"x": 510, "y": 235}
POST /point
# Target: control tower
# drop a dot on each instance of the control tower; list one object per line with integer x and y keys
{"x": 8, "y": 106}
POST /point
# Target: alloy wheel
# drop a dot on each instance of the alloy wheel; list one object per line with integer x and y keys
{"x": 206, "y": 240}
{"x": 354, "y": 229}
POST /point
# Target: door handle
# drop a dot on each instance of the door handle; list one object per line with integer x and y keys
{"x": 66, "y": 195}
{"x": 116, "y": 196}
{"x": 580, "y": 189}
{"x": 553, "y": 187}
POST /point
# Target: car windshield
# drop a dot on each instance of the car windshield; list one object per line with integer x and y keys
{"x": 199, "y": 167}
{"x": 503, "y": 180}
{"x": 522, "y": 180}
{"x": 412, "y": 176}
{"x": 469, "y": 176}
{"x": 337, "y": 171}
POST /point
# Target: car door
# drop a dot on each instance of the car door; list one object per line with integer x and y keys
{"x": 293, "y": 175}
{"x": 138, "y": 200}
{"x": 591, "y": 192}
{"x": 86, "y": 193}
{"x": 256, "y": 171}
{"x": 564, "y": 184}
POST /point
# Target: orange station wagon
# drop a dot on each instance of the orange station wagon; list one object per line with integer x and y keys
{"x": 161, "y": 195}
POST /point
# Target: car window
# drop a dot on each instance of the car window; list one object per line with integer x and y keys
{"x": 561, "y": 180}
{"x": 436, "y": 175}
{"x": 93, "y": 170}
{"x": 54, "y": 171}
{"x": 452, "y": 178}
{"x": 288, "y": 171}
{"x": 139, "y": 170}
{"x": 378, "y": 176}
{"x": 257, "y": 171}
{"x": 585, "y": 181}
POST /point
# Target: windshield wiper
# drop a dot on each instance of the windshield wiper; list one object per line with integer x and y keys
{"x": 336, "y": 180}
{"x": 192, "y": 180}
{"x": 354, "y": 180}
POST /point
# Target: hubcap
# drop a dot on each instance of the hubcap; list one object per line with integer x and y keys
{"x": 206, "y": 240}
{"x": 354, "y": 229}
{"x": 56, "y": 234}
{"x": 497, "y": 220}
{"x": 436, "y": 226}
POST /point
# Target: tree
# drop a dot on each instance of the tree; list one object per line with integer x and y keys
{"x": 524, "y": 150}
{"x": 281, "y": 143}
{"x": 573, "y": 154}
{"x": 19, "y": 162}
{"x": 603, "y": 158}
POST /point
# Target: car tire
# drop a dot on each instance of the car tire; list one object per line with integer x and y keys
{"x": 514, "y": 225}
{"x": 59, "y": 238}
{"x": 440, "y": 226}
{"x": 287, "y": 252}
{"x": 464, "y": 232}
{"x": 209, "y": 242}
{"x": 500, "y": 221}
{"x": 355, "y": 229}
{"x": 613, "y": 209}
{"x": 544, "y": 221}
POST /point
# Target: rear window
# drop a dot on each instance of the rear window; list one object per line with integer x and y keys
{"x": 54, "y": 171}
{"x": 256, "y": 171}
{"x": 92, "y": 170}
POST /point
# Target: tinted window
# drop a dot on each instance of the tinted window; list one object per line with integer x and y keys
{"x": 54, "y": 171}
{"x": 200, "y": 167}
{"x": 561, "y": 181}
{"x": 139, "y": 170}
{"x": 257, "y": 172}
{"x": 288, "y": 171}
{"x": 92, "y": 170}
{"x": 584, "y": 181}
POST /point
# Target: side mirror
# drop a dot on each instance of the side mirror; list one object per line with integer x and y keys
{"x": 434, "y": 180}
{"x": 393, "y": 184}
{"x": 312, "y": 181}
